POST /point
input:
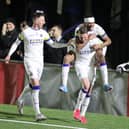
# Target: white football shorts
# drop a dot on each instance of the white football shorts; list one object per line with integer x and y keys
{"x": 34, "y": 68}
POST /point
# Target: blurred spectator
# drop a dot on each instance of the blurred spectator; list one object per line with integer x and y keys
{"x": 8, "y": 36}
{"x": 56, "y": 34}
{"x": 12, "y": 8}
{"x": 55, "y": 55}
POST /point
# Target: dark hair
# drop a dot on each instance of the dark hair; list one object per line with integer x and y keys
{"x": 38, "y": 13}
{"x": 10, "y": 20}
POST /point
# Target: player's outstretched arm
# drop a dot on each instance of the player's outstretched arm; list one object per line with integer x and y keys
{"x": 53, "y": 44}
{"x": 12, "y": 50}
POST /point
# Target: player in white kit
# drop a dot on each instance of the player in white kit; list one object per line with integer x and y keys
{"x": 84, "y": 66}
{"x": 96, "y": 30}
{"x": 33, "y": 38}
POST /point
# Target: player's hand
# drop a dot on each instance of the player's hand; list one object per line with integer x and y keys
{"x": 7, "y": 59}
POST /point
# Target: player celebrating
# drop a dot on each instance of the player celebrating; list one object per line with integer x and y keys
{"x": 93, "y": 29}
{"x": 33, "y": 38}
{"x": 84, "y": 65}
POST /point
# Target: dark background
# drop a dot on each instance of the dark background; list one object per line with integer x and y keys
{"x": 112, "y": 15}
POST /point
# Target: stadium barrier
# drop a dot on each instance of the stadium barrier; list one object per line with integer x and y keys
{"x": 13, "y": 79}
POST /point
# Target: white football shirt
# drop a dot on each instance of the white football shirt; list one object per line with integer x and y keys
{"x": 34, "y": 42}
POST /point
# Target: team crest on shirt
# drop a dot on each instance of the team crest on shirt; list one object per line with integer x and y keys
{"x": 41, "y": 35}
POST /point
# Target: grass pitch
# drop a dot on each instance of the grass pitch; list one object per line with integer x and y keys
{"x": 57, "y": 119}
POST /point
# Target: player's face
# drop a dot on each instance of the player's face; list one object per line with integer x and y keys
{"x": 39, "y": 22}
{"x": 90, "y": 25}
{"x": 84, "y": 37}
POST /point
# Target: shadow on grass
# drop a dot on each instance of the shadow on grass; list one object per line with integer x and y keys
{"x": 58, "y": 119}
{"x": 9, "y": 115}
{"x": 14, "y": 115}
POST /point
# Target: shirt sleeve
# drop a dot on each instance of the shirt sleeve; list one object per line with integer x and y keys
{"x": 14, "y": 46}
{"x": 100, "y": 31}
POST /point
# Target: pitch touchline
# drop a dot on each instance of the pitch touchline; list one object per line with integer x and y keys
{"x": 34, "y": 123}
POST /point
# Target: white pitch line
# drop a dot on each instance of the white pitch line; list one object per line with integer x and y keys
{"x": 34, "y": 123}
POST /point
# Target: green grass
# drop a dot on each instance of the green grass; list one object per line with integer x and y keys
{"x": 57, "y": 119}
